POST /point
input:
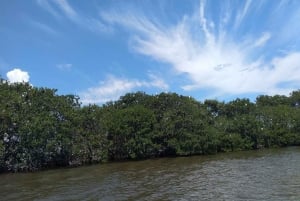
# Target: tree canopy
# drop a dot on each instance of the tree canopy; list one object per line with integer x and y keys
{"x": 40, "y": 129}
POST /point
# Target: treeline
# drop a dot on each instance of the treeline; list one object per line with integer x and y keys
{"x": 40, "y": 129}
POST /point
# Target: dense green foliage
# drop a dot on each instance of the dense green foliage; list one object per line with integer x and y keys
{"x": 40, "y": 129}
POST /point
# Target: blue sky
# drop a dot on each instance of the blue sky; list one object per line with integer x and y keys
{"x": 103, "y": 49}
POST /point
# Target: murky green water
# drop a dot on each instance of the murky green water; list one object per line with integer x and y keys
{"x": 254, "y": 175}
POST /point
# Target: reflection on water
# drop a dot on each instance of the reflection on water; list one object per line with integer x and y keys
{"x": 254, "y": 175}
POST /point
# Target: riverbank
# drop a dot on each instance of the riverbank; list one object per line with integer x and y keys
{"x": 179, "y": 157}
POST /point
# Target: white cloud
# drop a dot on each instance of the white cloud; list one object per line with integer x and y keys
{"x": 17, "y": 75}
{"x": 112, "y": 88}
{"x": 212, "y": 59}
{"x": 157, "y": 82}
{"x": 109, "y": 90}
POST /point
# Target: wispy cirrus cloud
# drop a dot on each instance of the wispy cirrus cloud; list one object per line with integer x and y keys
{"x": 46, "y": 5}
{"x": 62, "y": 8}
{"x": 67, "y": 9}
{"x": 216, "y": 56}
{"x": 113, "y": 87}
{"x": 44, "y": 27}
{"x": 262, "y": 40}
{"x": 242, "y": 12}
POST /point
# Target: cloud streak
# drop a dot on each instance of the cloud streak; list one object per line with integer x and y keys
{"x": 47, "y": 6}
{"x": 242, "y": 13}
{"x": 45, "y": 28}
{"x": 67, "y": 9}
{"x": 262, "y": 40}
{"x": 62, "y": 8}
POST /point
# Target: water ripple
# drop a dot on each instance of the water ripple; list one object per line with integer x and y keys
{"x": 255, "y": 175}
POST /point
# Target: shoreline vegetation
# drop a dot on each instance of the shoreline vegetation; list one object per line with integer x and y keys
{"x": 40, "y": 129}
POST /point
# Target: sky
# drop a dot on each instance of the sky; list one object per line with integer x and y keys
{"x": 103, "y": 49}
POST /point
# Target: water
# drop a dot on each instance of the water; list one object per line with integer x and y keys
{"x": 253, "y": 175}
